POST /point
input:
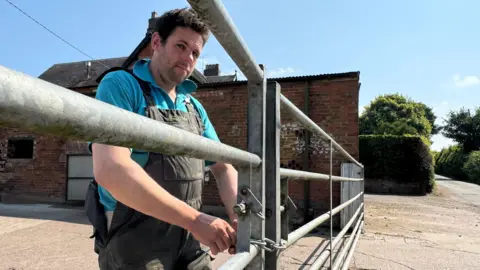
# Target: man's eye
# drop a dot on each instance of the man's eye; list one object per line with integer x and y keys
{"x": 181, "y": 46}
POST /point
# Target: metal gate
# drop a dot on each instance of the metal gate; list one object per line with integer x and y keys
{"x": 79, "y": 175}
{"x": 263, "y": 231}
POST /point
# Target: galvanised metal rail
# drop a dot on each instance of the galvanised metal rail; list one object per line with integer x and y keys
{"x": 35, "y": 105}
{"x": 262, "y": 222}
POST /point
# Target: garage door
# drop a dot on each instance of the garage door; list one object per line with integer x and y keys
{"x": 80, "y": 173}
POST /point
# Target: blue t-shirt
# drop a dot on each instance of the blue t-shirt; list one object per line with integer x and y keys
{"x": 121, "y": 89}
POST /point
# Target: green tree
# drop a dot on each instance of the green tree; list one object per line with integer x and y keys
{"x": 395, "y": 114}
{"x": 463, "y": 127}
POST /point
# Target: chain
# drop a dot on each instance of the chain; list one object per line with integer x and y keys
{"x": 269, "y": 245}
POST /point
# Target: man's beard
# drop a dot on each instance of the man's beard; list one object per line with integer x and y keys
{"x": 177, "y": 77}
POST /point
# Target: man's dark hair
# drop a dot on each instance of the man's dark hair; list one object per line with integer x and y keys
{"x": 184, "y": 17}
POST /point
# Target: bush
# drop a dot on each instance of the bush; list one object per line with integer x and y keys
{"x": 472, "y": 167}
{"x": 401, "y": 159}
{"x": 450, "y": 162}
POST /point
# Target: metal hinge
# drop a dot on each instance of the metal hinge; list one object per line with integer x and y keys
{"x": 249, "y": 203}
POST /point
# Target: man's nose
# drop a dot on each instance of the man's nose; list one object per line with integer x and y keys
{"x": 188, "y": 57}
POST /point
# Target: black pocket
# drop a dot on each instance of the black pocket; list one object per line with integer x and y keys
{"x": 96, "y": 215}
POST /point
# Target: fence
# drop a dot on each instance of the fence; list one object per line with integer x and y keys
{"x": 38, "y": 106}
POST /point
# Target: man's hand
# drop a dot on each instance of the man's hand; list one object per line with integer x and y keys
{"x": 213, "y": 232}
{"x": 234, "y": 221}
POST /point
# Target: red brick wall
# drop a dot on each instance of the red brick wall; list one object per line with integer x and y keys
{"x": 332, "y": 104}
{"x": 42, "y": 177}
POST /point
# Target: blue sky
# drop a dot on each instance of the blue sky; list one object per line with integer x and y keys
{"x": 427, "y": 50}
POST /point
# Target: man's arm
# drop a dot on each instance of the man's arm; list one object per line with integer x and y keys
{"x": 227, "y": 179}
{"x": 130, "y": 184}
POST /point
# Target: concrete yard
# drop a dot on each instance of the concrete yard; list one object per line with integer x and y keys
{"x": 38, "y": 236}
{"x": 439, "y": 231}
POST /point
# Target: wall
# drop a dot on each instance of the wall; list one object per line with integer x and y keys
{"x": 332, "y": 104}
{"x": 43, "y": 177}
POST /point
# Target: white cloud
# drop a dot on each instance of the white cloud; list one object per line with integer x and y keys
{"x": 465, "y": 81}
{"x": 280, "y": 72}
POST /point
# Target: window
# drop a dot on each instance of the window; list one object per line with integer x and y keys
{"x": 20, "y": 148}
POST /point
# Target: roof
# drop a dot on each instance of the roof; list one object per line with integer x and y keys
{"x": 221, "y": 79}
{"x": 74, "y": 74}
{"x": 323, "y": 77}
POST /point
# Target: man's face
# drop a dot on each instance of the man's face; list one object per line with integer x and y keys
{"x": 176, "y": 59}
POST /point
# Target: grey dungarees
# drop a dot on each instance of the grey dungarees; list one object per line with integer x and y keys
{"x": 137, "y": 241}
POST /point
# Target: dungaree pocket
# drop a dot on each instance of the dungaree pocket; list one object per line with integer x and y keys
{"x": 96, "y": 215}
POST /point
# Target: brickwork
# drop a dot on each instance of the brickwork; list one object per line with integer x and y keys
{"x": 42, "y": 177}
{"x": 332, "y": 104}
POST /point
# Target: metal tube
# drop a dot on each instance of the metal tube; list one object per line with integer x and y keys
{"x": 32, "y": 104}
{"x": 309, "y": 124}
{"x": 324, "y": 255}
{"x": 256, "y": 144}
{"x": 303, "y": 175}
{"x": 214, "y": 14}
{"x": 342, "y": 253}
{"x": 272, "y": 172}
{"x": 240, "y": 260}
{"x": 346, "y": 262}
{"x": 331, "y": 201}
{"x": 300, "y": 232}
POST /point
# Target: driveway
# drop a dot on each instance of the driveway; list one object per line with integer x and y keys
{"x": 461, "y": 191}
{"x": 439, "y": 231}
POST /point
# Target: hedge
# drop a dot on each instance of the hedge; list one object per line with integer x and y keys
{"x": 472, "y": 167}
{"x": 450, "y": 162}
{"x": 401, "y": 159}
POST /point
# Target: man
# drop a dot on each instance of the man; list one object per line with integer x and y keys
{"x": 152, "y": 201}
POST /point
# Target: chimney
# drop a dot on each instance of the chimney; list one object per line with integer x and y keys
{"x": 151, "y": 22}
{"x": 212, "y": 70}
{"x": 88, "y": 64}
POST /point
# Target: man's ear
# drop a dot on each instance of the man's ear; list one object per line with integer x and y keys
{"x": 156, "y": 41}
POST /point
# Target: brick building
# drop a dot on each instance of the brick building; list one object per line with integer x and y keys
{"x": 51, "y": 169}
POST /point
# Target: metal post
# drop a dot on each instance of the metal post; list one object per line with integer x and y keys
{"x": 253, "y": 225}
{"x": 331, "y": 204}
{"x": 284, "y": 201}
{"x": 362, "y": 188}
{"x": 272, "y": 170}
{"x": 306, "y": 156}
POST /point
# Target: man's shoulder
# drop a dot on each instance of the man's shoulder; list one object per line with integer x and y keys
{"x": 198, "y": 105}
{"x": 117, "y": 76}
{"x": 118, "y": 82}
